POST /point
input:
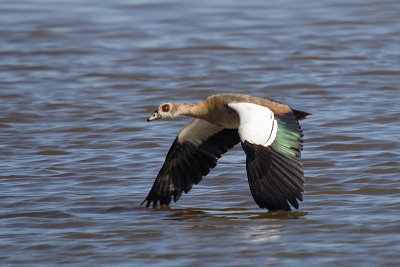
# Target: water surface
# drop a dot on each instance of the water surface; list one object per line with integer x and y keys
{"x": 78, "y": 80}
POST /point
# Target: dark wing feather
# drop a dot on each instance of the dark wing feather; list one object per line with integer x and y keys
{"x": 187, "y": 162}
{"x": 275, "y": 173}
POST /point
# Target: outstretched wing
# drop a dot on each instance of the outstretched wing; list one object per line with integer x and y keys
{"x": 272, "y": 145}
{"x": 192, "y": 155}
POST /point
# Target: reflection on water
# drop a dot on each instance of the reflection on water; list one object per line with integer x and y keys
{"x": 263, "y": 234}
{"x": 230, "y": 213}
{"x": 78, "y": 80}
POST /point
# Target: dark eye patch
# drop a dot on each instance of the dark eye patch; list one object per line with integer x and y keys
{"x": 165, "y": 108}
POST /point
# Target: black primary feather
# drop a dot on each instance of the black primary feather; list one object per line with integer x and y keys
{"x": 275, "y": 173}
{"x": 186, "y": 164}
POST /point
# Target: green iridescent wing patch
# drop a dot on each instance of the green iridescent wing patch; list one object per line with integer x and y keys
{"x": 289, "y": 137}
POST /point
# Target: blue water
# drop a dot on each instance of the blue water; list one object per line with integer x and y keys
{"x": 78, "y": 80}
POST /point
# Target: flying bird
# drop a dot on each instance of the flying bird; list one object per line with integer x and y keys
{"x": 270, "y": 135}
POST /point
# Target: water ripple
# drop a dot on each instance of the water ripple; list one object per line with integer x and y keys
{"x": 78, "y": 157}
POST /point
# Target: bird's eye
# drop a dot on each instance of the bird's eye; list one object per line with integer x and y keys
{"x": 165, "y": 108}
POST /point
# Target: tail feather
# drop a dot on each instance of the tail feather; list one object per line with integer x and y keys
{"x": 301, "y": 115}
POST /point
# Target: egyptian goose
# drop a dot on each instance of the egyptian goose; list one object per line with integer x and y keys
{"x": 270, "y": 136}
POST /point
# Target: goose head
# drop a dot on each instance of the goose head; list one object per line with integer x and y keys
{"x": 166, "y": 110}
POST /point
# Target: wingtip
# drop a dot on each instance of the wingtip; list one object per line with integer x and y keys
{"x": 147, "y": 204}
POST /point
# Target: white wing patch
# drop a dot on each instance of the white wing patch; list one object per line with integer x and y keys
{"x": 257, "y": 124}
{"x": 197, "y": 131}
